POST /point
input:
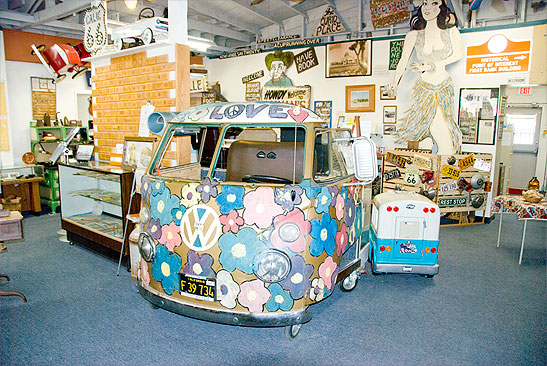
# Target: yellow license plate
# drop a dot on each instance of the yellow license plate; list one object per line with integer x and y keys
{"x": 451, "y": 172}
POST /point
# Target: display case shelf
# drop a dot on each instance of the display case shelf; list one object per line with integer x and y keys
{"x": 111, "y": 198}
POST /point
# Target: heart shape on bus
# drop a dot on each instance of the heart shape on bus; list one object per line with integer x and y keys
{"x": 298, "y": 114}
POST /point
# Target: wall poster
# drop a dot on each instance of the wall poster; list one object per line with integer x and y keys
{"x": 44, "y": 97}
{"x": 324, "y": 109}
{"x": 478, "y": 115}
{"x": 352, "y": 58}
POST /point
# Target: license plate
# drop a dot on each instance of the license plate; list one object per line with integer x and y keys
{"x": 408, "y": 248}
{"x": 450, "y": 172}
{"x": 197, "y": 287}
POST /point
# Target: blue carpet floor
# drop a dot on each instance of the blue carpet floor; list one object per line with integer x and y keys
{"x": 482, "y": 309}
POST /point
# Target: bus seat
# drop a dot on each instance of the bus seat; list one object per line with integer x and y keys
{"x": 258, "y": 134}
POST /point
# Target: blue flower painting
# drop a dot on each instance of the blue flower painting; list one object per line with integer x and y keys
{"x": 230, "y": 199}
{"x": 323, "y": 233}
{"x": 238, "y": 250}
{"x": 279, "y": 299}
{"x": 165, "y": 269}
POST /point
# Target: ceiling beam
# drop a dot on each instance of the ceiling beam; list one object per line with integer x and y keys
{"x": 245, "y": 4}
{"x": 60, "y": 11}
{"x": 25, "y": 20}
{"x": 293, "y": 7}
{"x": 214, "y": 13}
{"x": 219, "y": 31}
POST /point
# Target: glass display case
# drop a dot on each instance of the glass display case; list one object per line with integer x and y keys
{"x": 19, "y": 187}
{"x": 95, "y": 199}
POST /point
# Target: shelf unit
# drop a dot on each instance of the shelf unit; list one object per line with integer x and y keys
{"x": 94, "y": 202}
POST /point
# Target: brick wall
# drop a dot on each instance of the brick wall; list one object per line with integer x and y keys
{"x": 121, "y": 88}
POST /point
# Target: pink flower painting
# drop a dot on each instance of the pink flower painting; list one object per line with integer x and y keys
{"x": 260, "y": 207}
{"x": 253, "y": 295}
{"x": 170, "y": 236}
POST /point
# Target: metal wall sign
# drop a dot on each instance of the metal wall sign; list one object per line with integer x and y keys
{"x": 305, "y": 60}
{"x": 95, "y": 35}
{"x": 452, "y": 202}
{"x": 466, "y": 162}
{"x": 412, "y": 176}
{"x": 253, "y": 76}
{"x": 398, "y": 160}
{"x": 392, "y": 174}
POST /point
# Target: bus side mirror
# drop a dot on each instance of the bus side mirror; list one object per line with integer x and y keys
{"x": 365, "y": 161}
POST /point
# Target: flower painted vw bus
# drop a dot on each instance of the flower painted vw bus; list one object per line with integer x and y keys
{"x": 247, "y": 211}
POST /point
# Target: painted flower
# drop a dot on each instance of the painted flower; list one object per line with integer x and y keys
{"x": 341, "y": 240}
{"x": 323, "y": 200}
{"x": 145, "y": 276}
{"x": 170, "y": 236}
{"x": 317, "y": 290}
{"x": 260, "y": 207}
{"x": 227, "y": 289}
{"x": 334, "y": 192}
{"x": 279, "y": 299}
{"x": 288, "y": 196}
{"x": 158, "y": 187}
{"x": 322, "y": 233}
{"x": 199, "y": 265}
{"x": 162, "y": 204}
{"x": 253, "y": 295}
{"x": 208, "y": 189}
{"x": 328, "y": 270}
{"x": 297, "y": 218}
{"x": 165, "y": 269}
{"x": 355, "y": 230}
{"x": 339, "y": 206}
{"x": 231, "y": 222}
{"x": 355, "y": 188}
{"x": 177, "y": 213}
{"x": 188, "y": 195}
{"x": 311, "y": 191}
{"x": 231, "y": 198}
{"x": 350, "y": 210}
{"x": 146, "y": 188}
{"x": 298, "y": 280}
{"x": 238, "y": 250}
{"x": 154, "y": 229}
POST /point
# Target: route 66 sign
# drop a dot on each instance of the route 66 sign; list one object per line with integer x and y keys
{"x": 95, "y": 28}
{"x": 412, "y": 176}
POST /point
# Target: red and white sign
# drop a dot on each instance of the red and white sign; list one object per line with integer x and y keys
{"x": 525, "y": 90}
{"x": 498, "y": 55}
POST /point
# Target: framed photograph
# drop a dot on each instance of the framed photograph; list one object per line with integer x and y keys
{"x": 352, "y": 58}
{"x": 389, "y": 129}
{"x": 360, "y": 98}
{"x": 477, "y": 115}
{"x": 324, "y": 109}
{"x": 384, "y": 95}
{"x": 341, "y": 121}
{"x": 390, "y": 114}
{"x": 137, "y": 152}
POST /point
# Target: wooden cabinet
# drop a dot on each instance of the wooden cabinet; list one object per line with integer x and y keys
{"x": 95, "y": 200}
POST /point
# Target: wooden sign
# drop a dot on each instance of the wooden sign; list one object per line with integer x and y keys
{"x": 253, "y": 76}
{"x": 392, "y": 174}
{"x": 388, "y": 12}
{"x": 305, "y": 60}
{"x": 452, "y": 202}
{"x": 421, "y": 160}
{"x": 44, "y": 97}
{"x": 498, "y": 55}
{"x": 398, "y": 160}
{"x": 198, "y": 85}
{"x": 297, "y": 95}
{"x": 466, "y": 162}
{"x": 252, "y": 91}
{"x": 482, "y": 165}
{"x": 395, "y": 52}
{"x": 451, "y": 172}
{"x": 450, "y": 186}
{"x": 208, "y": 97}
{"x": 329, "y": 24}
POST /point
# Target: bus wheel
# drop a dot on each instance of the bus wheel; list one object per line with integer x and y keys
{"x": 291, "y": 331}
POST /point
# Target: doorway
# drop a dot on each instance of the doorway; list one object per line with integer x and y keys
{"x": 526, "y": 123}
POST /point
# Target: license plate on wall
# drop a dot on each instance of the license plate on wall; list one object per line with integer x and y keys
{"x": 452, "y": 201}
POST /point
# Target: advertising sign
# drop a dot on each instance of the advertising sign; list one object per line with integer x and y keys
{"x": 297, "y": 95}
{"x": 388, "y": 12}
{"x": 498, "y": 55}
{"x": 95, "y": 35}
{"x": 305, "y": 60}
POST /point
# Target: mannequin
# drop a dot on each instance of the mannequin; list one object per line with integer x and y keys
{"x": 437, "y": 43}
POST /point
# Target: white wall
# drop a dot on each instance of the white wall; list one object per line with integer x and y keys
{"x": 20, "y": 101}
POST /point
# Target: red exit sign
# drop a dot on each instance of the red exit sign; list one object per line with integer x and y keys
{"x": 525, "y": 90}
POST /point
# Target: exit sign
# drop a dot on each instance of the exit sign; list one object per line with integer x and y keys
{"x": 525, "y": 90}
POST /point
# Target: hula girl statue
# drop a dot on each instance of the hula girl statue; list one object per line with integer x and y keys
{"x": 437, "y": 43}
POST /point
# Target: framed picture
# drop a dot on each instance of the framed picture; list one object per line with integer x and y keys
{"x": 384, "y": 95}
{"x": 324, "y": 109}
{"x": 137, "y": 152}
{"x": 360, "y": 98}
{"x": 389, "y": 129}
{"x": 478, "y": 114}
{"x": 352, "y": 58}
{"x": 390, "y": 114}
{"x": 341, "y": 121}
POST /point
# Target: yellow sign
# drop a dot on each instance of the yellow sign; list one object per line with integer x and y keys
{"x": 498, "y": 55}
{"x": 421, "y": 160}
{"x": 451, "y": 172}
{"x": 466, "y": 162}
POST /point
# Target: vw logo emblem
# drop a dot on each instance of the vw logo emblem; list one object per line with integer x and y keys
{"x": 200, "y": 228}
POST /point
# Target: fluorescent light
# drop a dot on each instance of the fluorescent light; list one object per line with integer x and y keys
{"x": 131, "y": 4}
{"x": 199, "y": 44}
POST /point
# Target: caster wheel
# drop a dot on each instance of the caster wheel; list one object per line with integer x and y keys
{"x": 71, "y": 243}
{"x": 79, "y": 72}
{"x": 59, "y": 79}
{"x": 349, "y": 283}
{"x": 291, "y": 331}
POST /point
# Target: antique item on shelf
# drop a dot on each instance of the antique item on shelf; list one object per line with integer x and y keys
{"x": 533, "y": 183}
{"x": 428, "y": 192}
{"x": 477, "y": 200}
{"x": 451, "y": 160}
{"x": 487, "y": 186}
{"x": 47, "y": 120}
{"x": 477, "y": 181}
{"x": 29, "y": 158}
{"x": 532, "y": 195}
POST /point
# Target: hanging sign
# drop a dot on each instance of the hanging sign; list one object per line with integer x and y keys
{"x": 95, "y": 28}
{"x": 253, "y": 76}
{"x": 451, "y": 172}
{"x": 252, "y": 91}
{"x": 329, "y": 23}
{"x": 421, "y": 160}
{"x": 241, "y": 53}
{"x": 498, "y": 55}
{"x": 305, "y": 60}
{"x": 277, "y": 39}
{"x": 392, "y": 174}
{"x": 452, "y": 202}
{"x": 388, "y": 12}
{"x": 450, "y": 186}
{"x": 297, "y": 95}
{"x": 412, "y": 176}
{"x": 395, "y": 52}
{"x": 466, "y": 162}
{"x": 482, "y": 165}
{"x": 398, "y": 160}
{"x": 198, "y": 85}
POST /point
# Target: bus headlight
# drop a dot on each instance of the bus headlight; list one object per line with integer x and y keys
{"x": 147, "y": 247}
{"x": 271, "y": 265}
{"x": 289, "y": 232}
